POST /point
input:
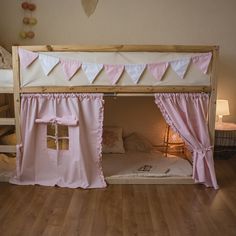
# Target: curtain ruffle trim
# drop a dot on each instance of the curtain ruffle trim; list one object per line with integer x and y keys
{"x": 183, "y": 95}
{"x": 99, "y": 142}
{"x": 80, "y": 96}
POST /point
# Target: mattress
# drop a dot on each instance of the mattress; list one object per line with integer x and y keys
{"x": 6, "y": 78}
{"x": 139, "y": 164}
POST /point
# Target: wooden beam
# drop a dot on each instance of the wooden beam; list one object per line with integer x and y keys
{"x": 7, "y": 148}
{"x": 16, "y": 81}
{"x": 121, "y": 48}
{"x": 212, "y": 105}
{"x": 7, "y": 121}
{"x": 6, "y": 90}
{"x": 116, "y": 89}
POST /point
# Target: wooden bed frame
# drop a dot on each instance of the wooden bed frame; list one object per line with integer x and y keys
{"x": 18, "y": 90}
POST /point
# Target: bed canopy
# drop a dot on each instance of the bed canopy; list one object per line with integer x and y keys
{"x": 65, "y": 86}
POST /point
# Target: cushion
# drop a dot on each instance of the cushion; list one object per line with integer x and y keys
{"x": 112, "y": 140}
{"x": 9, "y": 139}
{"x": 138, "y": 143}
{"x": 5, "y": 59}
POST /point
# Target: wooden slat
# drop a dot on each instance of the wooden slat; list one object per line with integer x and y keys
{"x": 6, "y": 90}
{"x": 7, "y": 148}
{"x": 4, "y": 108}
{"x": 7, "y": 121}
{"x": 115, "y": 89}
{"x": 122, "y": 48}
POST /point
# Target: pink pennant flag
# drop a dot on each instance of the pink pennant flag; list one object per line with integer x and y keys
{"x": 202, "y": 61}
{"x": 158, "y": 69}
{"x": 114, "y": 72}
{"x": 27, "y": 57}
{"x": 69, "y": 67}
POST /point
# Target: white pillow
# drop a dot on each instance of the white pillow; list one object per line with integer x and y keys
{"x": 138, "y": 143}
{"x": 5, "y": 59}
{"x": 112, "y": 140}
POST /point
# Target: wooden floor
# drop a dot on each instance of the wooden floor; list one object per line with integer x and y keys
{"x": 122, "y": 209}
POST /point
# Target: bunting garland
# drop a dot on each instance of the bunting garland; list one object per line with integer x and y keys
{"x": 69, "y": 67}
{"x": 158, "y": 69}
{"x": 135, "y": 71}
{"x": 48, "y": 63}
{"x": 91, "y": 70}
{"x": 180, "y": 66}
{"x": 114, "y": 72}
{"x": 27, "y": 57}
{"x": 202, "y": 62}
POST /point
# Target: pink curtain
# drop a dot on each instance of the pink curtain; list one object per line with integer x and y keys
{"x": 187, "y": 115}
{"x": 80, "y": 164}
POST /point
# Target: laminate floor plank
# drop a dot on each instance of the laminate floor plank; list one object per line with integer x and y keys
{"x": 122, "y": 210}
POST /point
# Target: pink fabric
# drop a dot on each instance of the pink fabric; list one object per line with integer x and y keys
{"x": 187, "y": 115}
{"x": 69, "y": 67}
{"x": 114, "y": 72}
{"x": 65, "y": 120}
{"x": 27, "y": 57}
{"x": 77, "y": 167}
{"x": 202, "y": 61}
{"x": 158, "y": 69}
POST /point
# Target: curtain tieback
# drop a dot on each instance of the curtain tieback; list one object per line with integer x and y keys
{"x": 203, "y": 151}
{"x": 66, "y": 120}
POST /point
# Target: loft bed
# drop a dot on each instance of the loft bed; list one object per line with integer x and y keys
{"x": 94, "y": 72}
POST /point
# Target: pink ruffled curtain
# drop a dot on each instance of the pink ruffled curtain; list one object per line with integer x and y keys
{"x": 187, "y": 115}
{"x": 80, "y": 165}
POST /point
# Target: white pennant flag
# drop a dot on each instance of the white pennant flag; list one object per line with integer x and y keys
{"x": 91, "y": 70}
{"x": 135, "y": 71}
{"x": 48, "y": 63}
{"x": 180, "y": 66}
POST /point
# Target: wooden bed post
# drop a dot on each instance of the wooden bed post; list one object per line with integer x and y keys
{"x": 16, "y": 90}
{"x": 212, "y": 105}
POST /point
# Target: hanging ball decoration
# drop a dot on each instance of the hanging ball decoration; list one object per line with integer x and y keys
{"x": 30, "y": 34}
{"x": 26, "y": 20}
{"x": 23, "y": 34}
{"x": 32, "y": 21}
{"x": 25, "y": 5}
{"x": 31, "y": 6}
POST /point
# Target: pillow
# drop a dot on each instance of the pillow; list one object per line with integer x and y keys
{"x": 9, "y": 139}
{"x": 138, "y": 143}
{"x": 112, "y": 140}
{"x": 5, "y": 59}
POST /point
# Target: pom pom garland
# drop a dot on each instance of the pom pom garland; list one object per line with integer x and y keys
{"x": 28, "y": 20}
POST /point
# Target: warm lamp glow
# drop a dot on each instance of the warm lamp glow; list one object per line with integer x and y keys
{"x": 222, "y": 109}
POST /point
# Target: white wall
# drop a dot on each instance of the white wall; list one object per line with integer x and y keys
{"x": 191, "y": 22}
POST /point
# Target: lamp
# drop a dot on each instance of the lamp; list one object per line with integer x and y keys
{"x": 222, "y": 109}
{"x": 173, "y": 140}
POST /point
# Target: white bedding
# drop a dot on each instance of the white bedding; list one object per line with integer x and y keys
{"x": 6, "y": 78}
{"x": 131, "y": 164}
